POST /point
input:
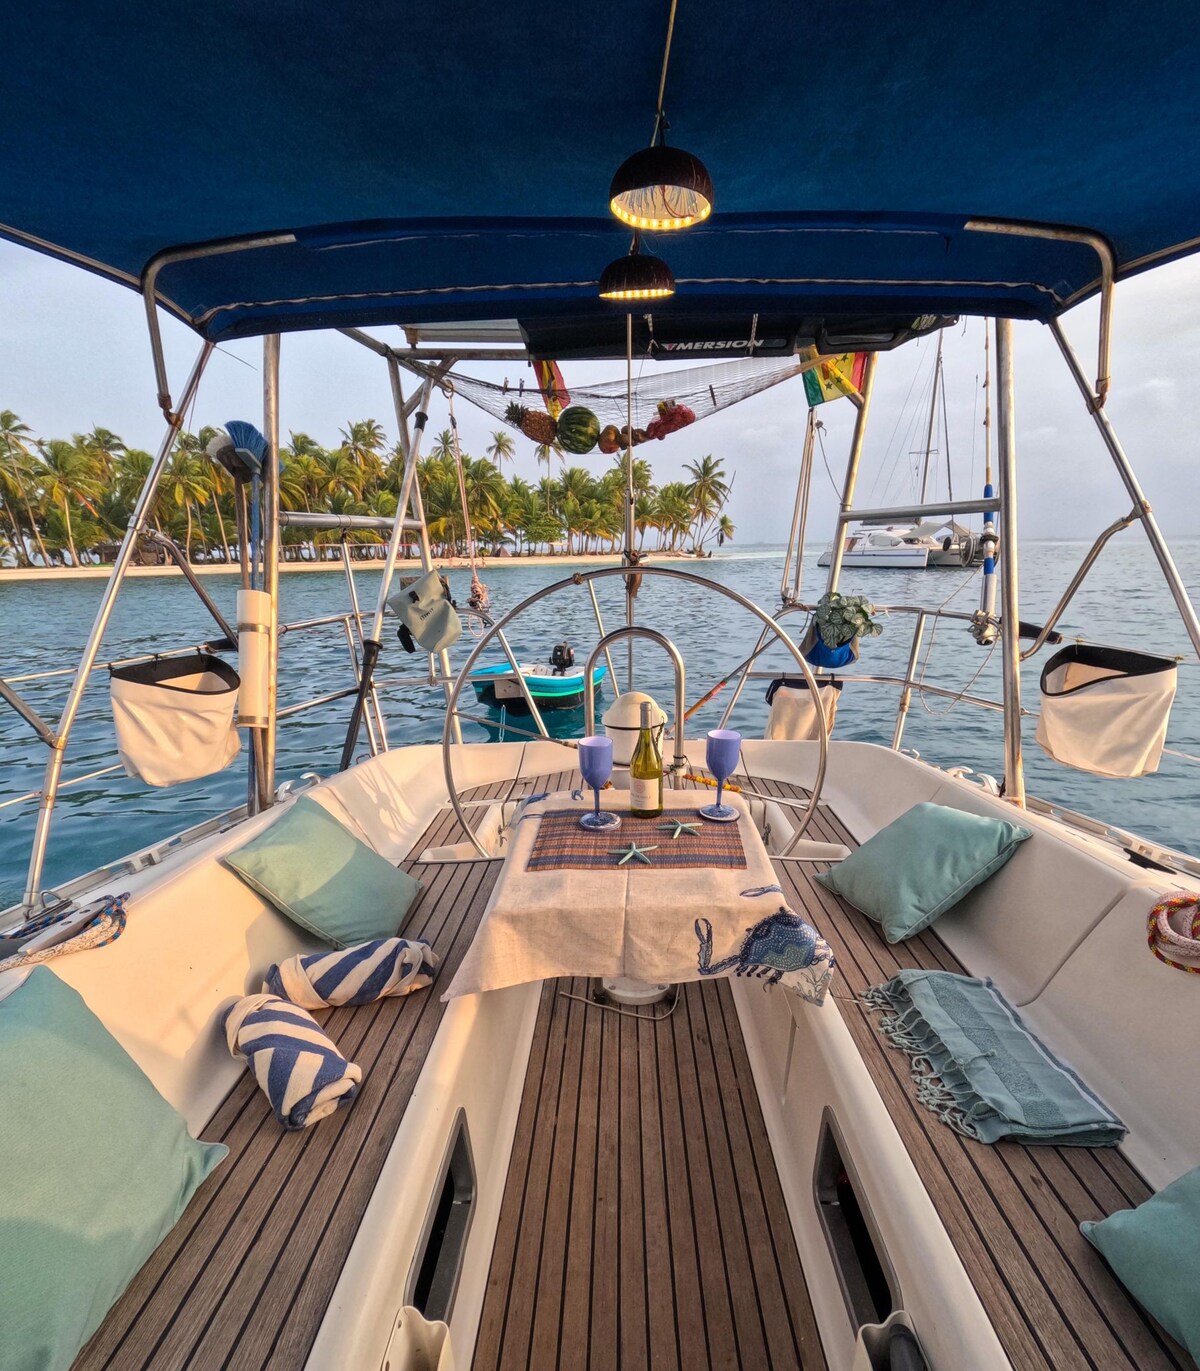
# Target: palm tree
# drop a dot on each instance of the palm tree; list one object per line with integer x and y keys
{"x": 546, "y": 452}
{"x": 485, "y": 494}
{"x": 362, "y": 442}
{"x": 339, "y": 472}
{"x": 18, "y": 475}
{"x": 443, "y": 447}
{"x": 66, "y": 475}
{"x": 708, "y": 491}
{"x": 130, "y": 478}
{"x": 65, "y": 496}
{"x": 103, "y": 445}
{"x": 186, "y": 484}
{"x": 501, "y": 449}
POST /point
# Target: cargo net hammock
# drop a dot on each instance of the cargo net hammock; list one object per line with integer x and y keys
{"x": 582, "y": 418}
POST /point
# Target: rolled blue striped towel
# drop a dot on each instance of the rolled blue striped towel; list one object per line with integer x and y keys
{"x": 299, "y": 1068}
{"x": 354, "y": 975}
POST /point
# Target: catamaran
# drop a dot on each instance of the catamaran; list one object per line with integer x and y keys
{"x": 879, "y": 1065}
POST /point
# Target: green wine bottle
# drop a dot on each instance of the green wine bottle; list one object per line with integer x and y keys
{"x": 646, "y": 773}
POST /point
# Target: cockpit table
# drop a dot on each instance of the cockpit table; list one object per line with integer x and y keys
{"x": 663, "y": 900}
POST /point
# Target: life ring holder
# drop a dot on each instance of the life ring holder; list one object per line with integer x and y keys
{"x": 581, "y": 578}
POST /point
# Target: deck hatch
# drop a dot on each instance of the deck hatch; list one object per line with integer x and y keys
{"x": 433, "y": 1280}
{"x": 868, "y": 1283}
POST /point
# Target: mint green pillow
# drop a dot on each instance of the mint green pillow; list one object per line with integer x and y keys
{"x": 323, "y": 878}
{"x": 921, "y": 865}
{"x": 98, "y": 1167}
{"x": 1154, "y": 1251}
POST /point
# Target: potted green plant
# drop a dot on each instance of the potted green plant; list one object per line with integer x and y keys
{"x": 835, "y": 628}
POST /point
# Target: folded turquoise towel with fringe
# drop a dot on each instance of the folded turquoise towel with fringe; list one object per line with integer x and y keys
{"x": 979, "y": 1069}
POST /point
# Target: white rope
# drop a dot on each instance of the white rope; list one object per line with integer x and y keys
{"x": 479, "y": 598}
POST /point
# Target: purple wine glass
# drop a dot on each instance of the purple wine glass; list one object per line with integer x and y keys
{"x": 595, "y": 766}
{"x": 721, "y": 757}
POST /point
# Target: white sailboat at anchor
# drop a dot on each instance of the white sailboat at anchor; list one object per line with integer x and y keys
{"x": 932, "y": 542}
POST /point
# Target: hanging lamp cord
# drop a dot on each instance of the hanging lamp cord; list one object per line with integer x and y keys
{"x": 660, "y": 118}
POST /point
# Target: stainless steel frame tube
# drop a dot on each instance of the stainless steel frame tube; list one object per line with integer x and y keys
{"x": 651, "y": 635}
{"x": 137, "y": 521}
{"x": 852, "y": 463}
{"x": 270, "y": 537}
{"x": 1010, "y": 616}
{"x": 1170, "y": 571}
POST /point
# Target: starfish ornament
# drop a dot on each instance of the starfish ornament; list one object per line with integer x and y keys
{"x": 680, "y": 828}
{"x": 633, "y": 851}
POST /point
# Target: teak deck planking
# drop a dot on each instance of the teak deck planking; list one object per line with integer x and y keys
{"x": 643, "y": 1222}
{"x": 245, "y": 1277}
{"x": 1013, "y": 1212}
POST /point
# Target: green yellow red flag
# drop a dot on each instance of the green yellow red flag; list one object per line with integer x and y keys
{"x": 832, "y": 377}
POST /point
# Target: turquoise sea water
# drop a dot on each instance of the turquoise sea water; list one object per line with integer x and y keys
{"x": 45, "y": 623}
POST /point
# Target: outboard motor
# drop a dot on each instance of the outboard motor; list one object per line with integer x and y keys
{"x": 562, "y": 658}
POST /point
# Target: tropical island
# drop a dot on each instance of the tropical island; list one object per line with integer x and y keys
{"x": 65, "y": 503}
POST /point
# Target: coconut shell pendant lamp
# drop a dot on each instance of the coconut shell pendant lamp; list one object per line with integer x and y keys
{"x": 636, "y": 276}
{"x": 661, "y": 188}
{"x": 657, "y": 189}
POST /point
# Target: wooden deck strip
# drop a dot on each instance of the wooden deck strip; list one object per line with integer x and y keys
{"x": 242, "y": 1280}
{"x": 1012, "y": 1211}
{"x": 666, "y": 1242}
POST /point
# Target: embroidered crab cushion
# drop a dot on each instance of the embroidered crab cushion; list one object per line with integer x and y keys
{"x": 921, "y": 865}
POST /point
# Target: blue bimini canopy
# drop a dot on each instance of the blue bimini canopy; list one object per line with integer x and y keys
{"x": 417, "y": 164}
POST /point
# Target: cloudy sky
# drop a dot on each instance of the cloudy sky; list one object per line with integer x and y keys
{"x": 74, "y": 353}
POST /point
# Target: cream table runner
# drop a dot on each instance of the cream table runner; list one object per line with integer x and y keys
{"x": 656, "y": 921}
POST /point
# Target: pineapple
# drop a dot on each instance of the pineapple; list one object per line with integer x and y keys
{"x": 535, "y": 424}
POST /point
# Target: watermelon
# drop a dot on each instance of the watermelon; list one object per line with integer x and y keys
{"x": 578, "y": 430}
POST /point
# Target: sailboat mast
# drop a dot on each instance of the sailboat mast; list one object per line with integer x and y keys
{"x": 933, "y": 400}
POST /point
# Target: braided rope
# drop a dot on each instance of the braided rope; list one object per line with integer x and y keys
{"x": 1160, "y": 932}
{"x": 105, "y": 928}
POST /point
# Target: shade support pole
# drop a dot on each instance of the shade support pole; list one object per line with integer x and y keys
{"x": 1010, "y": 618}
{"x": 373, "y": 643}
{"x": 404, "y": 408}
{"x": 137, "y": 521}
{"x": 1141, "y": 505}
{"x": 265, "y": 777}
{"x": 852, "y": 464}
{"x": 630, "y": 558}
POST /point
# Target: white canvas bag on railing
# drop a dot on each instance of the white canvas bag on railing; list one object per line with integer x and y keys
{"x": 794, "y": 713}
{"x": 1105, "y": 709}
{"x": 174, "y": 717}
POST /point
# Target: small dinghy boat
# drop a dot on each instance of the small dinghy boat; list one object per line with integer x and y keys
{"x": 498, "y": 685}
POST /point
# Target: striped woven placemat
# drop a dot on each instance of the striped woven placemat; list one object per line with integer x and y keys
{"x": 561, "y": 844}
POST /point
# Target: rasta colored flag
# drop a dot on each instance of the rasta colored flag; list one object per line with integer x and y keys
{"x": 553, "y": 387}
{"x": 832, "y": 377}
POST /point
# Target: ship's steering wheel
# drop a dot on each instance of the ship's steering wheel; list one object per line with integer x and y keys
{"x": 585, "y": 578}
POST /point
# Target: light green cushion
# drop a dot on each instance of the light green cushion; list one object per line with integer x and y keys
{"x": 921, "y": 865}
{"x": 323, "y": 878}
{"x": 98, "y": 1167}
{"x": 1154, "y": 1251}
